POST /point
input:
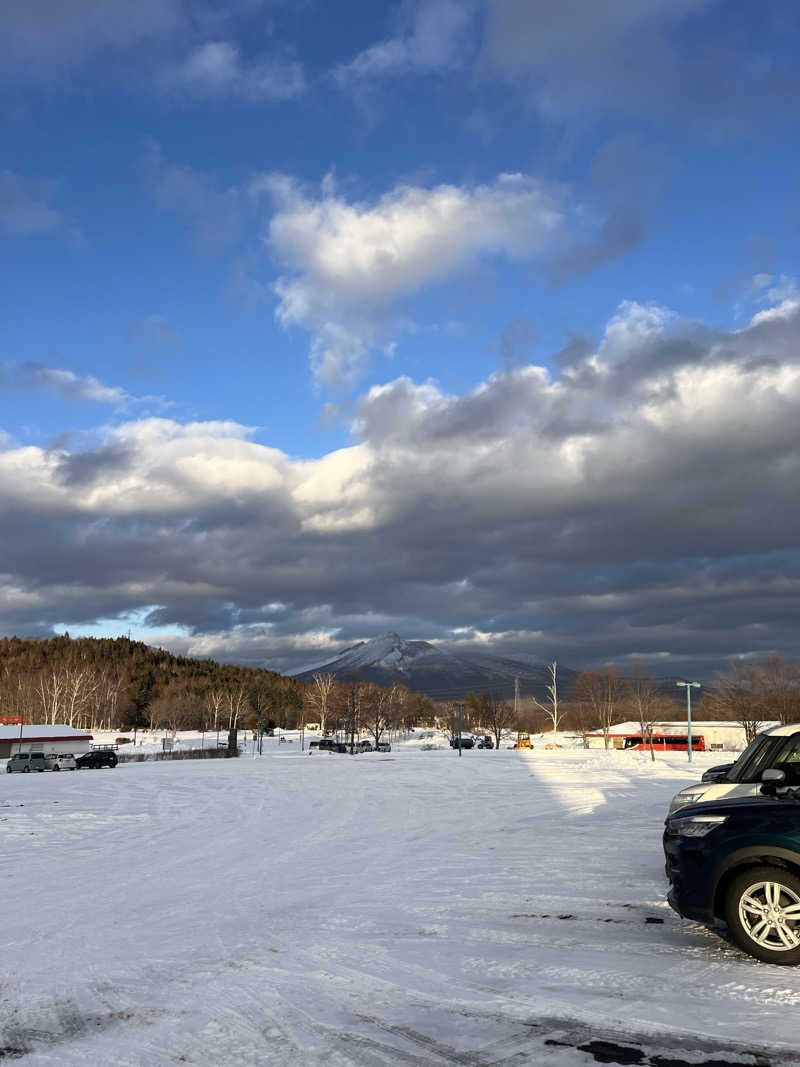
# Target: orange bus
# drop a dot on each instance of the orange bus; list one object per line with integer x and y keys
{"x": 665, "y": 742}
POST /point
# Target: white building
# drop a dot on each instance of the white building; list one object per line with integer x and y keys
{"x": 718, "y": 736}
{"x": 42, "y": 739}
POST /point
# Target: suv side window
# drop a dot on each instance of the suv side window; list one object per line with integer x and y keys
{"x": 791, "y": 753}
{"x": 756, "y": 758}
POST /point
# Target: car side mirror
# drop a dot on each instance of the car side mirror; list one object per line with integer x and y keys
{"x": 770, "y": 780}
{"x": 716, "y": 774}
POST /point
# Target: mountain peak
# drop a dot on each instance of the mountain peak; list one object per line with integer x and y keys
{"x": 441, "y": 672}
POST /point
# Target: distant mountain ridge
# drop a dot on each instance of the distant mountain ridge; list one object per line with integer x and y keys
{"x": 441, "y": 672}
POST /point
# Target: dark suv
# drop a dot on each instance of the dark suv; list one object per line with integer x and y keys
{"x": 97, "y": 757}
{"x": 739, "y": 860}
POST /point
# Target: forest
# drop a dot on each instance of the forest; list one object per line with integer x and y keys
{"x": 120, "y": 684}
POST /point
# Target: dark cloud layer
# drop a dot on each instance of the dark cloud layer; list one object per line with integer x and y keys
{"x": 640, "y": 504}
{"x": 674, "y": 60}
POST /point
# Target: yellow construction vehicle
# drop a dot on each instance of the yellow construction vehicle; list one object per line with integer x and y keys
{"x": 523, "y": 740}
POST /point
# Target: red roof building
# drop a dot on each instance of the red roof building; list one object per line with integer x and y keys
{"x": 55, "y": 738}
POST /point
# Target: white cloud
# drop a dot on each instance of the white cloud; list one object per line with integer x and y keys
{"x": 71, "y": 386}
{"x": 434, "y": 38}
{"x": 215, "y": 69}
{"x": 347, "y": 264}
{"x": 640, "y": 499}
{"x": 783, "y": 297}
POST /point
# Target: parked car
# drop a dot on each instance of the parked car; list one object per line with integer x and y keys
{"x": 97, "y": 757}
{"x": 778, "y": 748}
{"x": 739, "y": 860}
{"x": 384, "y": 746}
{"x": 330, "y": 744}
{"x": 485, "y": 742}
{"x": 25, "y": 762}
{"x": 363, "y": 746}
{"x": 60, "y": 761}
{"x": 467, "y": 741}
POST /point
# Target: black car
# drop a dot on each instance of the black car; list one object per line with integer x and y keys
{"x": 739, "y": 860}
{"x": 330, "y": 744}
{"x": 97, "y": 757}
{"x": 466, "y": 742}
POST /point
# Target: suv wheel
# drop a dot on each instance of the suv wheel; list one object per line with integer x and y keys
{"x": 762, "y": 910}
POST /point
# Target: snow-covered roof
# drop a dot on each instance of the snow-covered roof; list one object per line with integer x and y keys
{"x": 37, "y": 733}
{"x": 697, "y": 724}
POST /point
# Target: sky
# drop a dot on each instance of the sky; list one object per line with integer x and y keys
{"x": 472, "y": 320}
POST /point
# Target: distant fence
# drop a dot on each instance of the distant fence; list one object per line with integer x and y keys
{"x": 186, "y": 753}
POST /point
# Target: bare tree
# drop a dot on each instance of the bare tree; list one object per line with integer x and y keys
{"x": 352, "y": 710}
{"x": 499, "y": 716}
{"x": 778, "y": 679}
{"x": 450, "y": 718}
{"x": 80, "y": 683}
{"x": 236, "y": 702}
{"x": 645, "y": 699}
{"x": 50, "y": 691}
{"x": 379, "y": 708}
{"x": 214, "y": 699}
{"x": 319, "y": 696}
{"x": 601, "y": 690}
{"x": 737, "y": 696}
{"x": 550, "y": 707}
{"x": 583, "y": 717}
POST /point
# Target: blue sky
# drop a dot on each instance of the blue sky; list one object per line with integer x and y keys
{"x": 236, "y": 228}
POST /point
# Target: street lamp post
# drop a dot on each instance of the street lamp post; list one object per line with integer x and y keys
{"x": 689, "y": 687}
{"x": 460, "y": 708}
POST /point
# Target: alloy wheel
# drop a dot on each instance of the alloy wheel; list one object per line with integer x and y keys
{"x": 770, "y": 915}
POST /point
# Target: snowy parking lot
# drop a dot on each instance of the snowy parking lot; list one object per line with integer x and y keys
{"x": 414, "y": 908}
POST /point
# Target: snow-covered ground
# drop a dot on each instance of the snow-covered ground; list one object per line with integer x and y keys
{"x": 408, "y": 909}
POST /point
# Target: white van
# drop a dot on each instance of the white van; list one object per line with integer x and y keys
{"x": 778, "y": 748}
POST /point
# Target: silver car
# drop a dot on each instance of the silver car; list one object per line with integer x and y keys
{"x": 60, "y": 761}
{"x": 777, "y": 748}
{"x": 25, "y": 762}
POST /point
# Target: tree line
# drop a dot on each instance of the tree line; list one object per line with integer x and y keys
{"x": 352, "y": 708}
{"x": 120, "y": 684}
{"x": 107, "y": 684}
{"x": 748, "y": 694}
{"x": 117, "y": 683}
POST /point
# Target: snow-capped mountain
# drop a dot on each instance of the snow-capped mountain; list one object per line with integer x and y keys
{"x": 441, "y": 672}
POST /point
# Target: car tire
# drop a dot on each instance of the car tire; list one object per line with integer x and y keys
{"x": 113, "y": 761}
{"x": 762, "y": 910}
{"x": 9, "y": 771}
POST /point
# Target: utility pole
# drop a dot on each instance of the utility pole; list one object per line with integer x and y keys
{"x": 459, "y": 706}
{"x": 516, "y": 699}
